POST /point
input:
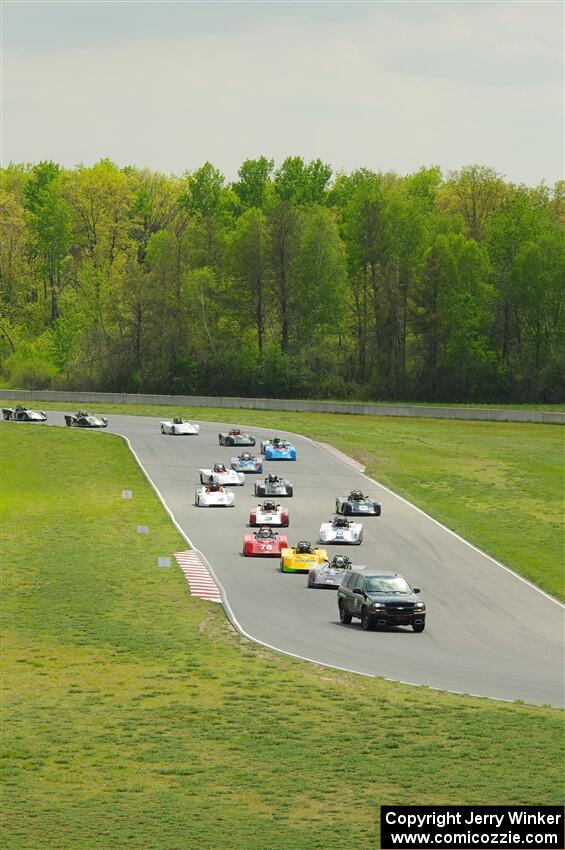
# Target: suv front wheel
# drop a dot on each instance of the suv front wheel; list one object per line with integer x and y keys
{"x": 344, "y": 617}
{"x": 366, "y": 619}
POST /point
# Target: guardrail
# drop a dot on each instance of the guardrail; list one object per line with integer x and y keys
{"x": 295, "y": 405}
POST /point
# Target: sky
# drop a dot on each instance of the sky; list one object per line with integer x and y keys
{"x": 389, "y": 86}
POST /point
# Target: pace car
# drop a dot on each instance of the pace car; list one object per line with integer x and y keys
{"x": 269, "y": 513}
{"x": 380, "y": 598}
{"x": 178, "y": 426}
{"x": 82, "y": 419}
{"x": 246, "y": 462}
{"x": 219, "y": 474}
{"x": 235, "y": 437}
{"x": 330, "y": 574}
{"x": 214, "y": 496}
{"x": 273, "y": 486}
{"x": 278, "y": 449}
{"x": 265, "y": 543}
{"x": 23, "y": 414}
{"x": 357, "y": 503}
{"x": 301, "y": 558}
{"x": 341, "y": 530}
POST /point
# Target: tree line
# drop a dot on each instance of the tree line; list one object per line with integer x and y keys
{"x": 289, "y": 281}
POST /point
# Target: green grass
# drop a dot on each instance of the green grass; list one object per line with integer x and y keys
{"x": 134, "y": 718}
{"x": 498, "y": 484}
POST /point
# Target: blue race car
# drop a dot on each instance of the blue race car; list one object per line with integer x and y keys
{"x": 246, "y": 462}
{"x": 278, "y": 449}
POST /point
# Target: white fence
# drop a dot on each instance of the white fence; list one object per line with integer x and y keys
{"x": 369, "y": 409}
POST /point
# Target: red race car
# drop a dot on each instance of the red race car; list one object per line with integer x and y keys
{"x": 269, "y": 513}
{"x": 265, "y": 542}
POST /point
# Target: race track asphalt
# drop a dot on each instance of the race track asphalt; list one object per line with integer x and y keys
{"x": 488, "y": 632}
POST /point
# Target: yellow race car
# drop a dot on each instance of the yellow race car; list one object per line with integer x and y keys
{"x": 301, "y": 558}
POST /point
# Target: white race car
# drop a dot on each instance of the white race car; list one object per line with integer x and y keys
{"x": 23, "y": 414}
{"x": 178, "y": 426}
{"x": 214, "y": 496}
{"x": 341, "y": 530}
{"x": 269, "y": 513}
{"x": 220, "y": 474}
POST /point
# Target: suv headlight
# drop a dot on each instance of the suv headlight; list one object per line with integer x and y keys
{"x": 419, "y": 606}
{"x": 378, "y": 606}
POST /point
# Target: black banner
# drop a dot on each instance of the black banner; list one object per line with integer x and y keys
{"x": 487, "y": 827}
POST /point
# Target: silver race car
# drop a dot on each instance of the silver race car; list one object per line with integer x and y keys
{"x": 273, "y": 486}
{"x": 214, "y": 496}
{"x": 341, "y": 530}
{"x": 82, "y": 419}
{"x": 23, "y": 414}
{"x": 235, "y": 437}
{"x": 178, "y": 426}
{"x": 220, "y": 474}
{"x": 357, "y": 504}
{"x": 331, "y": 573}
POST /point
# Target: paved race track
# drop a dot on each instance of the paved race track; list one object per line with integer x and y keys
{"x": 488, "y": 632}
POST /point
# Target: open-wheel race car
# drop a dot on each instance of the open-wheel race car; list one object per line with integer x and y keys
{"x": 278, "y": 449}
{"x": 357, "y": 503}
{"x": 264, "y": 542}
{"x": 330, "y": 574}
{"x": 269, "y": 513}
{"x": 273, "y": 486}
{"x": 178, "y": 427}
{"x": 341, "y": 530}
{"x": 301, "y": 558}
{"x": 235, "y": 437}
{"x": 246, "y": 462}
{"x": 220, "y": 474}
{"x": 82, "y": 419}
{"x": 19, "y": 413}
{"x": 214, "y": 496}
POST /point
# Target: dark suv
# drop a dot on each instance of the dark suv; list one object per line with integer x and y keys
{"x": 380, "y": 598}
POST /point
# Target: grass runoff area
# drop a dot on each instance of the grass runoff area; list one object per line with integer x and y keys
{"x": 134, "y": 718}
{"x": 498, "y": 484}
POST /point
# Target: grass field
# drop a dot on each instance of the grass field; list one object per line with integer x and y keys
{"x": 134, "y": 717}
{"x": 498, "y": 484}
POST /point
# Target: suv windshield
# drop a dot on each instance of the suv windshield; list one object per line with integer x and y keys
{"x": 387, "y": 584}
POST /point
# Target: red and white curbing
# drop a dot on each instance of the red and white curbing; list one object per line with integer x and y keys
{"x": 199, "y": 579}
